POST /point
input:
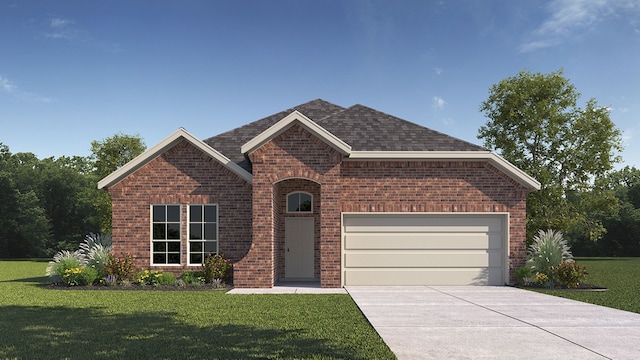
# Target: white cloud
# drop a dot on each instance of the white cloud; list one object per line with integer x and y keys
{"x": 438, "y": 103}
{"x": 59, "y": 28}
{"x": 570, "y": 17}
{"x": 6, "y": 85}
{"x": 438, "y": 71}
{"x": 10, "y": 88}
{"x": 59, "y": 22}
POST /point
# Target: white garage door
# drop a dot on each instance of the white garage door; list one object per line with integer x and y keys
{"x": 424, "y": 249}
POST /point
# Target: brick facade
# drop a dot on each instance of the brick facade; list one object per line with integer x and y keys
{"x": 252, "y": 216}
{"x": 183, "y": 175}
{"x": 294, "y": 154}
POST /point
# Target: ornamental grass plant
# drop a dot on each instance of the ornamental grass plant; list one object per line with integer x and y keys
{"x": 549, "y": 248}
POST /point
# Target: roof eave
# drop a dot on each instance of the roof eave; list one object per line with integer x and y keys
{"x": 499, "y": 162}
{"x": 288, "y": 121}
{"x": 166, "y": 144}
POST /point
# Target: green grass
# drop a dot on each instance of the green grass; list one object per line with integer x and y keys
{"x": 620, "y": 275}
{"x": 36, "y": 322}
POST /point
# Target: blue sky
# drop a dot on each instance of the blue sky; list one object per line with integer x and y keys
{"x": 76, "y": 71}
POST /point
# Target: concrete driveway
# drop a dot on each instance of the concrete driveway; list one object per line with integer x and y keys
{"x": 475, "y": 322}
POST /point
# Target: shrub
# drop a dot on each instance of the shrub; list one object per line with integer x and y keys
{"x": 122, "y": 268}
{"x": 569, "y": 273}
{"x": 548, "y": 250}
{"x": 523, "y": 275}
{"x": 167, "y": 278}
{"x": 193, "y": 277}
{"x": 541, "y": 280}
{"x": 148, "y": 277}
{"x": 79, "y": 276}
{"x": 63, "y": 261}
{"x": 216, "y": 267}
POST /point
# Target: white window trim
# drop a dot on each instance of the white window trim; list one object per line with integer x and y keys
{"x": 299, "y": 212}
{"x": 151, "y": 263}
{"x": 189, "y": 263}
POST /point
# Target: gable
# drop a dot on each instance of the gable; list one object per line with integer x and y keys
{"x": 166, "y": 144}
{"x": 286, "y": 123}
{"x": 230, "y": 142}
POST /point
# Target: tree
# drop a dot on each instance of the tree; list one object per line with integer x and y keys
{"x": 109, "y": 155}
{"x": 536, "y": 124}
{"x": 62, "y": 189}
{"x": 623, "y": 224}
{"x": 24, "y": 228}
{"x": 112, "y": 153}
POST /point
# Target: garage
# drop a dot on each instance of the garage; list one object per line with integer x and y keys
{"x": 424, "y": 249}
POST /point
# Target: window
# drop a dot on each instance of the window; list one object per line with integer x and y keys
{"x": 165, "y": 238}
{"x": 203, "y": 232}
{"x": 299, "y": 202}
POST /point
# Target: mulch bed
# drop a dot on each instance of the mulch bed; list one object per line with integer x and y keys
{"x": 581, "y": 287}
{"x": 587, "y": 287}
{"x": 186, "y": 287}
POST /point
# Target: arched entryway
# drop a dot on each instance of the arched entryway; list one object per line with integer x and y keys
{"x": 297, "y": 230}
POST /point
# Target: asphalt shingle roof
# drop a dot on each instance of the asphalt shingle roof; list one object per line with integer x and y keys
{"x": 363, "y": 128}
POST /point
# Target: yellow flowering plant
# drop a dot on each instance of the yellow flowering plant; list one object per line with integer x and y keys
{"x": 79, "y": 276}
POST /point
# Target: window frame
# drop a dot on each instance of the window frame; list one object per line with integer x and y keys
{"x": 203, "y": 223}
{"x": 299, "y": 202}
{"x": 166, "y": 240}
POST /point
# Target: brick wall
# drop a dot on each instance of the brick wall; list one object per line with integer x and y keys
{"x": 183, "y": 175}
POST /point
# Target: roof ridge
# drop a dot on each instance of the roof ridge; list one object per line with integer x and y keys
{"x": 286, "y": 112}
{"x": 334, "y": 114}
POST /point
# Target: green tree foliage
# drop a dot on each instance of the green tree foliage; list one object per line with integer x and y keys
{"x": 51, "y": 204}
{"x": 24, "y": 228}
{"x": 107, "y": 156}
{"x": 536, "y": 124}
{"x": 112, "y": 153}
{"x": 623, "y": 223}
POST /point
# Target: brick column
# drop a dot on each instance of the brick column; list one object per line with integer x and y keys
{"x": 330, "y": 231}
{"x": 256, "y": 269}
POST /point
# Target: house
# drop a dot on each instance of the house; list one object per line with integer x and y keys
{"x": 346, "y": 196}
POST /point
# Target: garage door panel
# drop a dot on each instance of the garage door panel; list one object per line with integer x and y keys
{"x": 418, "y": 241}
{"x": 419, "y": 259}
{"x": 382, "y": 228}
{"x": 419, "y": 221}
{"x": 424, "y": 249}
{"x": 430, "y": 276}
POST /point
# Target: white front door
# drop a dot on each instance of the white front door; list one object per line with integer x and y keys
{"x": 298, "y": 242}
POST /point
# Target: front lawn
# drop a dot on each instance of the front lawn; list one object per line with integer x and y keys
{"x": 36, "y": 322}
{"x": 620, "y": 275}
